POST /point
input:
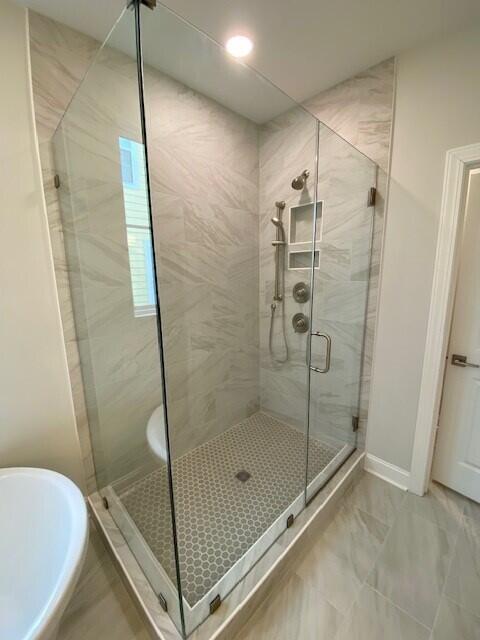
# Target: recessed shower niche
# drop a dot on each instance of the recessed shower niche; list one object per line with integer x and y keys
{"x": 175, "y": 320}
{"x": 300, "y": 230}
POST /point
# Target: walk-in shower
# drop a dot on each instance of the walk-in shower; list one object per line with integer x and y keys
{"x": 189, "y": 258}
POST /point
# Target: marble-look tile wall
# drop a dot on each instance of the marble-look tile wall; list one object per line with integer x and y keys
{"x": 345, "y": 177}
{"x": 205, "y": 195}
{"x": 119, "y": 352}
{"x": 287, "y": 146}
{"x": 344, "y": 231}
{"x": 361, "y": 111}
{"x": 203, "y": 161}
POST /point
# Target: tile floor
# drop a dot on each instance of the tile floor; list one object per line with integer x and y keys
{"x": 390, "y": 566}
{"x": 101, "y": 608}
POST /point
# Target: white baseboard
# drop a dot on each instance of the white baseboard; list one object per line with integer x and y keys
{"x": 389, "y": 472}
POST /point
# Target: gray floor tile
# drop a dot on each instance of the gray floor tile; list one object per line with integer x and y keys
{"x": 455, "y": 623}
{"x": 373, "y": 617}
{"x": 294, "y": 612}
{"x": 472, "y": 510}
{"x": 412, "y": 566}
{"x": 331, "y": 576}
{"x": 339, "y": 562}
{"x": 440, "y": 505}
{"x": 377, "y": 498}
{"x": 463, "y": 582}
{"x": 100, "y": 607}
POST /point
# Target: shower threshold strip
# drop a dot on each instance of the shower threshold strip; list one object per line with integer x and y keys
{"x": 161, "y": 582}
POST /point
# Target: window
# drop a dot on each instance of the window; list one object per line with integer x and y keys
{"x": 137, "y": 220}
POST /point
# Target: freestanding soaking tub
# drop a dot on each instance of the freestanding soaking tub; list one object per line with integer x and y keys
{"x": 43, "y": 539}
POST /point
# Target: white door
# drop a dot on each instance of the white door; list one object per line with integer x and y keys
{"x": 457, "y": 455}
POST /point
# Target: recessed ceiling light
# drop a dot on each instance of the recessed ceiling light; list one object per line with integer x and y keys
{"x": 239, "y": 46}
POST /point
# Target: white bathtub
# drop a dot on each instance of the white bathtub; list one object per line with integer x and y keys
{"x": 43, "y": 540}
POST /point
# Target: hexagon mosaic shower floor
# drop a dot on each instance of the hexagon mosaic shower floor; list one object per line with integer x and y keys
{"x": 219, "y": 516}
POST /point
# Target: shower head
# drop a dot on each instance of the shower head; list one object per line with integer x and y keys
{"x": 277, "y": 222}
{"x": 299, "y": 182}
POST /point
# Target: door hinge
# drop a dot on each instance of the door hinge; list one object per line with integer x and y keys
{"x": 355, "y": 423}
{"x": 56, "y": 181}
{"x": 372, "y": 197}
{"x": 151, "y": 4}
{"x": 215, "y": 603}
{"x": 105, "y": 503}
{"x": 290, "y": 520}
{"x": 162, "y": 601}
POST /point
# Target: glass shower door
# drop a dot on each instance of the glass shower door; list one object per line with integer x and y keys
{"x": 340, "y": 281}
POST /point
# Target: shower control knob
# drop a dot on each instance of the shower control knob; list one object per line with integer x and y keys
{"x": 301, "y": 292}
{"x": 300, "y": 323}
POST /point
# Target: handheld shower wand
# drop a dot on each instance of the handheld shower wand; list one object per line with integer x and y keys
{"x": 279, "y": 290}
{"x": 279, "y": 244}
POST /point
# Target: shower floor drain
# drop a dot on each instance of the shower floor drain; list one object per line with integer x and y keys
{"x": 243, "y": 476}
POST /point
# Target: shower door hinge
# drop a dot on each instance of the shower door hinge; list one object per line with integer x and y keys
{"x": 372, "y": 197}
{"x": 105, "y": 503}
{"x": 354, "y": 423}
{"x": 151, "y": 4}
{"x": 290, "y": 520}
{"x": 56, "y": 181}
{"x": 215, "y": 603}
{"x": 163, "y": 602}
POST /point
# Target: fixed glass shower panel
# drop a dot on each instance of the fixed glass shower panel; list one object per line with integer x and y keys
{"x": 104, "y": 201}
{"x": 340, "y": 281}
{"x": 223, "y": 148}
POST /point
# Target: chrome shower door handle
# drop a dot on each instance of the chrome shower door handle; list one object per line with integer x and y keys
{"x": 328, "y": 353}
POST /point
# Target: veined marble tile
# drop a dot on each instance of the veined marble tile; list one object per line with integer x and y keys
{"x": 440, "y": 505}
{"x": 376, "y": 497}
{"x": 295, "y": 611}
{"x": 100, "y": 606}
{"x": 339, "y": 562}
{"x": 60, "y": 58}
{"x": 412, "y": 566}
{"x": 463, "y": 581}
{"x": 455, "y": 622}
{"x": 472, "y": 510}
{"x": 373, "y": 617}
{"x": 355, "y": 536}
{"x": 368, "y": 124}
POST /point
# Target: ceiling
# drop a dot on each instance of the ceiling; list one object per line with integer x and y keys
{"x": 302, "y": 47}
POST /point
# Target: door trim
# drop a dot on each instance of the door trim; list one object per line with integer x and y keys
{"x": 458, "y": 163}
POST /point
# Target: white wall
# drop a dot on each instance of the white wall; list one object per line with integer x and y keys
{"x": 37, "y": 425}
{"x": 437, "y": 108}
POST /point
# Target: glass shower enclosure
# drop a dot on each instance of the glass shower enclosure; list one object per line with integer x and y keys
{"x": 218, "y": 241}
